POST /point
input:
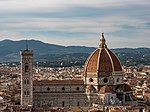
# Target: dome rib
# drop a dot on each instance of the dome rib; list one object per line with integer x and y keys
{"x": 116, "y": 62}
{"x": 110, "y": 59}
{"x": 98, "y": 65}
{"x": 104, "y": 62}
{"x": 90, "y": 60}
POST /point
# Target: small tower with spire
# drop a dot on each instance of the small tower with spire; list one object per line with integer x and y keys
{"x": 26, "y": 76}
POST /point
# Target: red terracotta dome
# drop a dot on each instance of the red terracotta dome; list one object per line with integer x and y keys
{"x": 102, "y": 59}
{"x": 105, "y": 89}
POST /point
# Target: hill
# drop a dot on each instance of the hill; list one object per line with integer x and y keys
{"x": 56, "y": 55}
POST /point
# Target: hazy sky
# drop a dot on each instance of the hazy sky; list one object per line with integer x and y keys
{"x": 126, "y": 23}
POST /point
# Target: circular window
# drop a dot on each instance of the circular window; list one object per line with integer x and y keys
{"x": 105, "y": 80}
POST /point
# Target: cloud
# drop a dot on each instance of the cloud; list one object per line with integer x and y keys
{"x": 76, "y": 22}
{"x": 32, "y": 5}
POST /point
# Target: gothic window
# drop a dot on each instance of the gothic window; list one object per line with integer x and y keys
{"x": 24, "y": 92}
{"x": 90, "y": 80}
{"x": 27, "y": 81}
{"x": 63, "y": 88}
{"x": 33, "y": 89}
{"x": 26, "y": 68}
{"x": 27, "y": 92}
{"x": 24, "y": 81}
{"x": 77, "y": 88}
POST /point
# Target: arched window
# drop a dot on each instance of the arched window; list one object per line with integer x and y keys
{"x": 48, "y": 89}
{"x": 27, "y": 81}
{"x": 117, "y": 79}
{"x": 27, "y": 92}
{"x": 26, "y": 68}
{"x": 24, "y": 92}
{"x": 63, "y": 88}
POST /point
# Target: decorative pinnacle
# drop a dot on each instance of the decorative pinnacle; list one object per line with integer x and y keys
{"x": 102, "y": 43}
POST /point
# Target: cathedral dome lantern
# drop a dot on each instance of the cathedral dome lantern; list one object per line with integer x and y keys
{"x": 102, "y": 63}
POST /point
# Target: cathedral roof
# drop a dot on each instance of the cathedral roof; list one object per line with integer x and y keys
{"x": 40, "y": 82}
{"x": 105, "y": 89}
{"x": 102, "y": 59}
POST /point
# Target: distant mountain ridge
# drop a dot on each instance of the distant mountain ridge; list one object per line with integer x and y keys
{"x": 51, "y": 53}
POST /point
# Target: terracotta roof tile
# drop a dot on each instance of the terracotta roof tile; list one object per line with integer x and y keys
{"x": 58, "y": 82}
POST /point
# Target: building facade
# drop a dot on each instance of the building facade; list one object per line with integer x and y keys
{"x": 59, "y": 93}
{"x": 102, "y": 83}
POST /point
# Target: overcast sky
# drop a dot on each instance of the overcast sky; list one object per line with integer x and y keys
{"x": 126, "y": 23}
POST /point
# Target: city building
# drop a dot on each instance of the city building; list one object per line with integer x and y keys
{"x": 102, "y": 84}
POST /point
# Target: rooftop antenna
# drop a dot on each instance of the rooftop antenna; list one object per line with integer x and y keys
{"x": 26, "y": 44}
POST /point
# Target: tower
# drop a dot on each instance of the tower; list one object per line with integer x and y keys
{"x": 26, "y": 76}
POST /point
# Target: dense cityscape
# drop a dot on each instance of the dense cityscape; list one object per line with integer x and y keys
{"x": 13, "y": 81}
{"x": 55, "y": 56}
{"x": 138, "y": 77}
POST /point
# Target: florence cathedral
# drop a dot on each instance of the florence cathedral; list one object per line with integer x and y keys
{"x": 102, "y": 83}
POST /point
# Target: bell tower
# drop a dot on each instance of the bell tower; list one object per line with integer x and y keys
{"x": 26, "y": 76}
